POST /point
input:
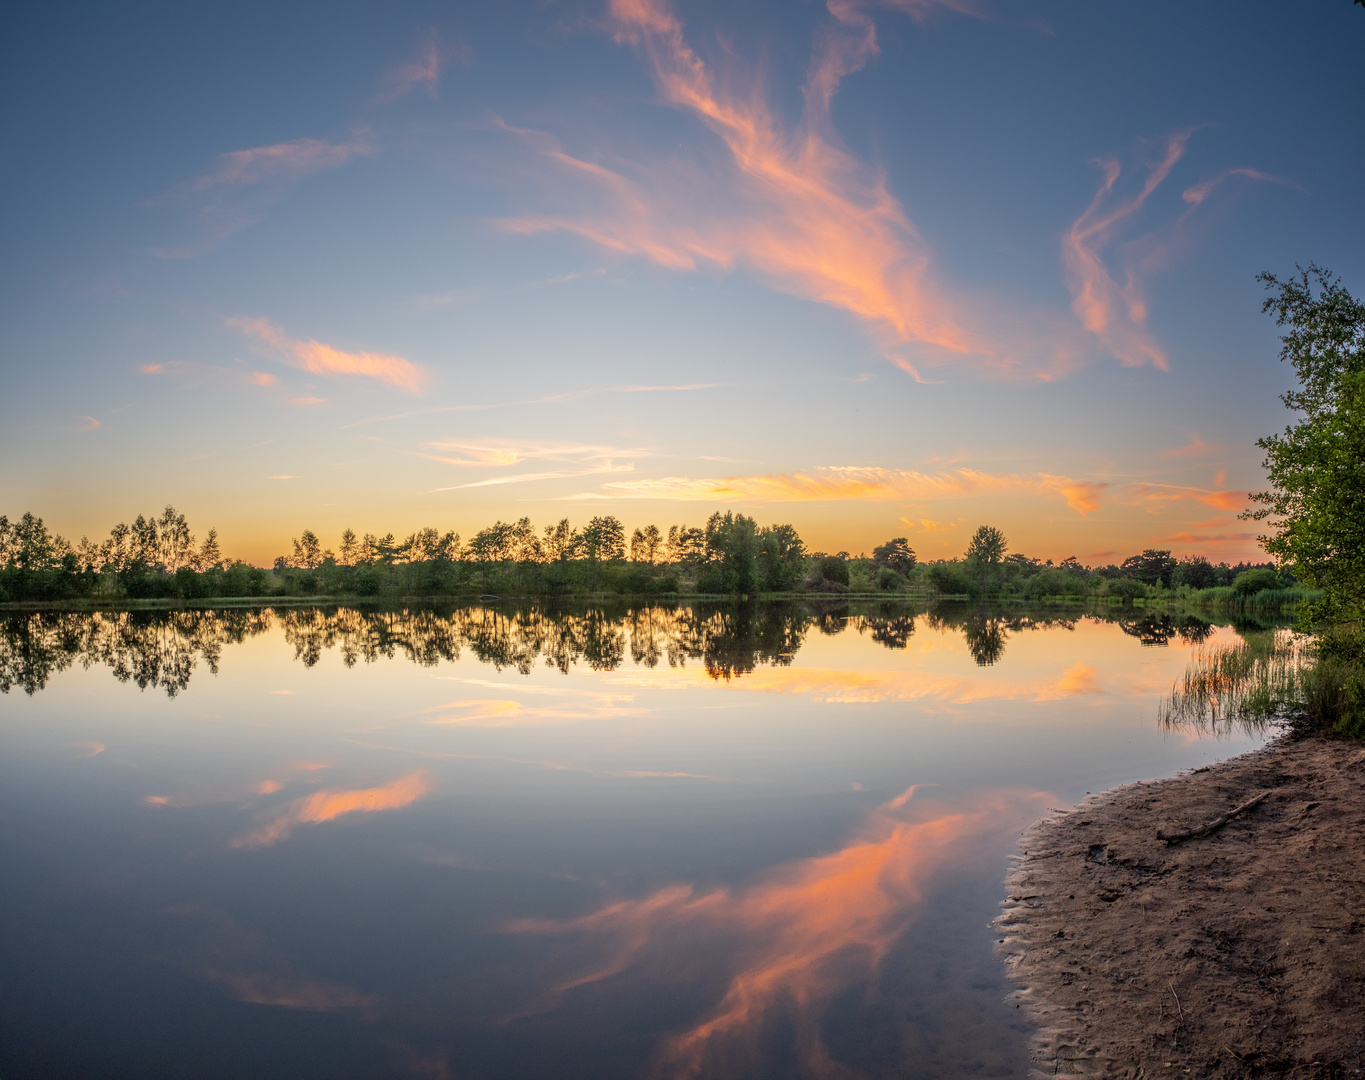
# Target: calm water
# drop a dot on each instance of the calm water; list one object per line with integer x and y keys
{"x": 480, "y": 843}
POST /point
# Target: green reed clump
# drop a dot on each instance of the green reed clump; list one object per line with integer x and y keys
{"x": 1247, "y": 683}
{"x": 1334, "y": 687}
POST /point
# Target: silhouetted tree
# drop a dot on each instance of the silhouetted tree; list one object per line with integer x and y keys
{"x": 604, "y": 539}
{"x": 307, "y": 550}
{"x": 897, "y": 554}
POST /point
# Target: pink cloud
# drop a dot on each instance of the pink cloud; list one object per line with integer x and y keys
{"x": 1196, "y": 447}
{"x": 423, "y": 71}
{"x": 792, "y": 205}
{"x": 237, "y": 191}
{"x": 1162, "y": 494}
{"x": 319, "y": 359}
{"x": 288, "y": 161}
{"x": 1199, "y": 192}
{"x": 1115, "y": 313}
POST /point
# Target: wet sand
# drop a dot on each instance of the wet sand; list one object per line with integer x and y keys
{"x": 1239, "y": 953}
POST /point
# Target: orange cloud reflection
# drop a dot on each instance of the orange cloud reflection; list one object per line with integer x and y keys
{"x": 326, "y": 805}
{"x": 792, "y": 942}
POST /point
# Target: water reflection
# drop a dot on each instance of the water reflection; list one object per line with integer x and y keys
{"x": 328, "y": 805}
{"x": 667, "y": 841}
{"x": 162, "y": 649}
{"x": 785, "y": 948}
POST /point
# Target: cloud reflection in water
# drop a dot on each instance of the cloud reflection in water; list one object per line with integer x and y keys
{"x": 792, "y": 942}
{"x": 326, "y": 805}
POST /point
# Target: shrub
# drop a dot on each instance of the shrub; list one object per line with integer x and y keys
{"x": 1253, "y": 581}
{"x": 1127, "y": 589}
{"x": 952, "y": 579}
{"x": 835, "y": 569}
{"x": 1052, "y": 581}
{"x": 888, "y": 580}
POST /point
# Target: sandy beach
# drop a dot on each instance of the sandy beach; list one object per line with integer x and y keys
{"x": 1236, "y": 953}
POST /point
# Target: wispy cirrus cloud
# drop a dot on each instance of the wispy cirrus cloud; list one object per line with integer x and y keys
{"x": 1115, "y": 312}
{"x": 492, "y": 453}
{"x": 1195, "y": 448}
{"x": 1197, "y": 193}
{"x": 791, "y": 204}
{"x": 1111, "y": 303}
{"x": 841, "y": 482}
{"x": 320, "y": 359}
{"x": 243, "y": 184}
{"x": 590, "y": 460}
{"x": 423, "y": 70}
{"x": 523, "y": 478}
{"x": 1161, "y": 495}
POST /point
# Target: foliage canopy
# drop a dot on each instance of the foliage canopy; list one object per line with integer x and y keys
{"x": 1316, "y": 467}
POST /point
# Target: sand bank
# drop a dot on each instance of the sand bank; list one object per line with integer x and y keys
{"x": 1240, "y": 953}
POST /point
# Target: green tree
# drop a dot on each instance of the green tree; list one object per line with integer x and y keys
{"x": 1315, "y": 504}
{"x": 987, "y": 547}
{"x": 1152, "y": 567}
{"x": 350, "y": 548}
{"x": 209, "y": 555}
{"x": 897, "y": 554}
{"x": 986, "y": 555}
{"x": 307, "y": 550}
{"x": 175, "y": 542}
{"x": 686, "y": 545}
{"x": 646, "y": 544}
{"x": 781, "y": 558}
{"x": 561, "y": 541}
{"x": 604, "y": 539}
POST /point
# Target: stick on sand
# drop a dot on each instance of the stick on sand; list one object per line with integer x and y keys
{"x": 1214, "y": 825}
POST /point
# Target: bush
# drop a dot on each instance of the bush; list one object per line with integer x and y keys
{"x": 1127, "y": 589}
{"x": 1053, "y": 581}
{"x": 1334, "y": 695}
{"x": 888, "y": 580}
{"x": 835, "y": 569}
{"x": 952, "y": 579}
{"x": 1253, "y": 581}
{"x": 368, "y": 581}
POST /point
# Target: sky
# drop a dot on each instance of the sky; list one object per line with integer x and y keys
{"x": 875, "y": 268}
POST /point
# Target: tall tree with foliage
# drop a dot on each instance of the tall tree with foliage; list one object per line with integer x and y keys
{"x": 604, "y": 538}
{"x": 1316, "y": 468}
{"x": 897, "y": 554}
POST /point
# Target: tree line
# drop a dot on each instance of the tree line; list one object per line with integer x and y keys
{"x": 158, "y": 556}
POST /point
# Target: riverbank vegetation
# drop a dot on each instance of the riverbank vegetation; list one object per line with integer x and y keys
{"x": 157, "y": 558}
{"x": 1315, "y": 507}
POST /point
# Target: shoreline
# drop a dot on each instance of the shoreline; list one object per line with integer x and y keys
{"x": 1240, "y": 953}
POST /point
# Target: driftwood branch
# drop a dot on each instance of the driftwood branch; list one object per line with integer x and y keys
{"x": 1214, "y": 825}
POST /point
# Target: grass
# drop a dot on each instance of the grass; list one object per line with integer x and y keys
{"x": 1245, "y": 684}
{"x": 1271, "y": 674}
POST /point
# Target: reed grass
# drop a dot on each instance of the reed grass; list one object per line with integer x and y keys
{"x": 1246, "y": 684}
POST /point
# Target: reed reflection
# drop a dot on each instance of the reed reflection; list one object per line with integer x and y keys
{"x": 162, "y": 649}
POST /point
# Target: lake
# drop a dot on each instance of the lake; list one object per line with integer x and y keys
{"x": 497, "y": 841}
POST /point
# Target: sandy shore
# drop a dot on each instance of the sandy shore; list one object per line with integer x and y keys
{"x": 1240, "y": 953}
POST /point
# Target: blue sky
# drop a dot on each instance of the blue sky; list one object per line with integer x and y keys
{"x": 875, "y": 269}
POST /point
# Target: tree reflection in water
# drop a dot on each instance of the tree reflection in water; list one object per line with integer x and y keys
{"x": 163, "y": 648}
